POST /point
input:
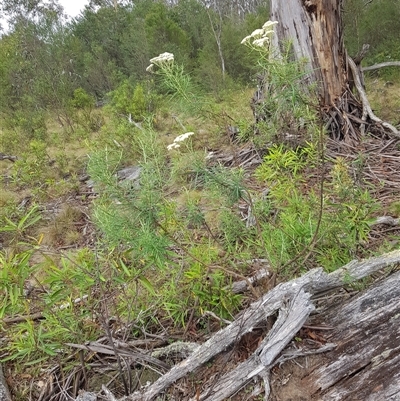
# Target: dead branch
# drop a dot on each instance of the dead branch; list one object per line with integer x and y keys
{"x": 18, "y": 319}
{"x": 367, "y": 111}
{"x": 242, "y": 285}
{"x": 39, "y": 315}
{"x": 8, "y": 157}
{"x": 290, "y": 318}
{"x": 109, "y": 350}
{"x": 361, "y": 54}
{"x": 381, "y": 65}
{"x": 388, "y": 220}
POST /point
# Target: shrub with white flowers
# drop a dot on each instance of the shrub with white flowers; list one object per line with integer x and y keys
{"x": 260, "y": 39}
{"x": 179, "y": 138}
{"x": 172, "y": 76}
{"x": 163, "y": 60}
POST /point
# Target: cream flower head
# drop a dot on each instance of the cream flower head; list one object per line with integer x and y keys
{"x": 173, "y": 146}
{"x": 269, "y": 24}
{"x": 182, "y": 137}
{"x": 261, "y": 42}
{"x": 262, "y": 36}
{"x": 162, "y": 58}
{"x": 258, "y": 33}
{"x": 179, "y": 138}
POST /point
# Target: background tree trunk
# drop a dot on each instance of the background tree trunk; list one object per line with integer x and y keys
{"x": 315, "y": 29}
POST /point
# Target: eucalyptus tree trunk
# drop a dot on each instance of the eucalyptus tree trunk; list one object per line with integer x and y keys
{"x": 316, "y": 31}
{"x": 315, "y": 28}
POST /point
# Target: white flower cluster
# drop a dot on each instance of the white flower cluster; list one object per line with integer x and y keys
{"x": 162, "y": 59}
{"x": 261, "y": 37}
{"x": 180, "y": 138}
{"x": 173, "y": 146}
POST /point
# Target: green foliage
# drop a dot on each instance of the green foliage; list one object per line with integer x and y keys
{"x": 363, "y": 27}
{"x": 164, "y": 33}
{"x": 293, "y": 221}
{"x": 25, "y": 124}
{"x": 13, "y": 275}
{"x": 84, "y": 114}
{"x": 174, "y": 81}
{"x": 18, "y": 231}
{"x": 210, "y": 288}
{"x": 200, "y": 290}
{"x": 82, "y": 100}
{"x": 131, "y": 214}
{"x": 64, "y": 318}
{"x": 31, "y": 168}
{"x": 142, "y": 220}
{"x": 288, "y": 109}
{"x": 235, "y": 234}
{"x": 282, "y": 162}
{"x": 131, "y": 101}
{"x": 395, "y": 208}
{"x": 226, "y": 184}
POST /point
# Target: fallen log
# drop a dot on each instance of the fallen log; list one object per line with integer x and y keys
{"x": 4, "y": 391}
{"x": 290, "y": 320}
{"x": 365, "y": 363}
{"x": 286, "y": 299}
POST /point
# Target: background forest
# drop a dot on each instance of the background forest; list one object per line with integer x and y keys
{"x": 86, "y": 253}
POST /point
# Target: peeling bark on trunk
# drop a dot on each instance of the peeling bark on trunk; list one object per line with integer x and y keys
{"x": 315, "y": 30}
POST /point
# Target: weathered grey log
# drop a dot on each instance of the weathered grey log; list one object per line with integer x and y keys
{"x": 316, "y": 281}
{"x": 366, "y": 363}
{"x": 4, "y": 391}
{"x": 291, "y": 319}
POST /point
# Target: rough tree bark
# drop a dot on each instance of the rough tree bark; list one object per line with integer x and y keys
{"x": 316, "y": 31}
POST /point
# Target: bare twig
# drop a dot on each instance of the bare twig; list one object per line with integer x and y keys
{"x": 382, "y": 65}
